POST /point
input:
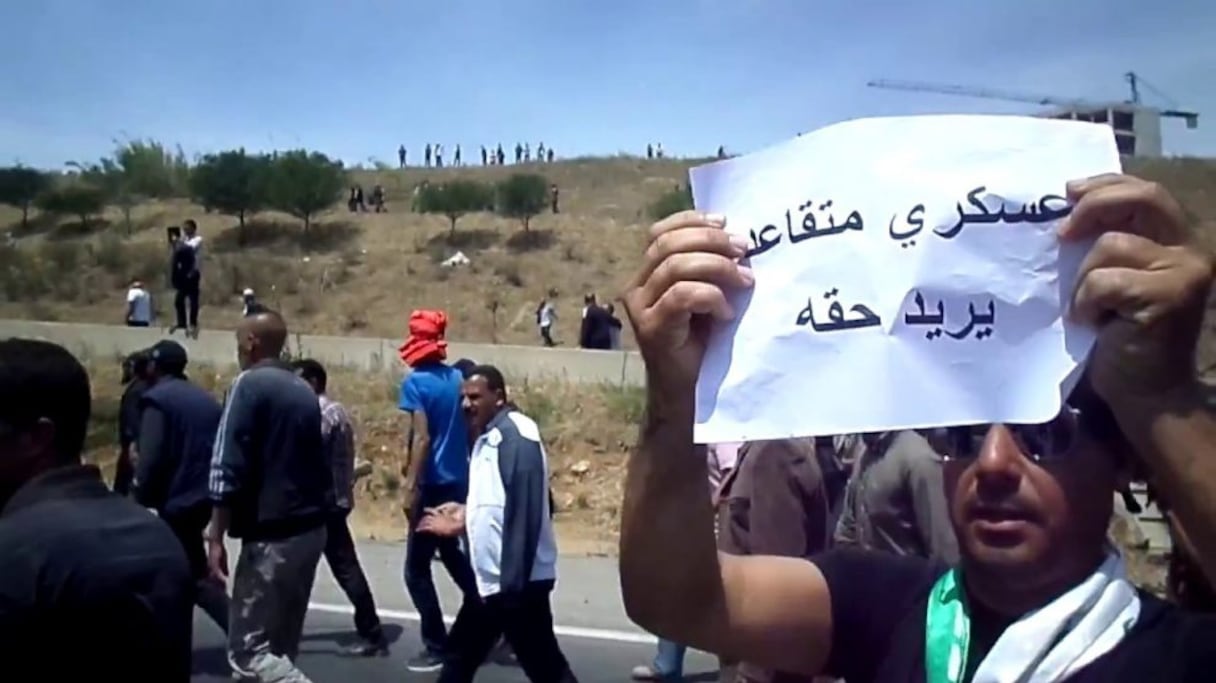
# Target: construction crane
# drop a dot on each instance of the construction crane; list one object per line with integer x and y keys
{"x": 1134, "y": 82}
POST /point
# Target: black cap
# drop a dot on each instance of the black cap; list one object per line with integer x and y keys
{"x": 168, "y": 355}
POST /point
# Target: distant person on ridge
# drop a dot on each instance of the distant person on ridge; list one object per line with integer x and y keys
{"x": 250, "y": 304}
{"x": 185, "y": 277}
{"x": 483, "y": 155}
{"x": 401, "y": 156}
{"x": 456, "y": 157}
{"x": 519, "y": 153}
{"x": 614, "y": 326}
{"x": 553, "y": 197}
{"x": 596, "y": 329}
{"x": 427, "y": 154}
{"x": 550, "y": 155}
{"x": 546, "y": 315}
{"x": 139, "y": 305}
{"x": 501, "y": 157}
{"x": 436, "y": 473}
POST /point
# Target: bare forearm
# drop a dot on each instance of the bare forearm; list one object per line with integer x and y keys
{"x": 667, "y": 513}
{"x": 1176, "y": 438}
{"x": 414, "y": 460}
{"x": 221, "y": 518}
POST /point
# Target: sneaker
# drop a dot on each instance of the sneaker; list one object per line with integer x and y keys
{"x": 365, "y": 647}
{"x": 424, "y": 661}
{"x": 648, "y": 673}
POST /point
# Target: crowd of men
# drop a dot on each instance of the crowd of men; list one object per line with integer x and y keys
{"x": 117, "y": 573}
{"x": 972, "y": 553}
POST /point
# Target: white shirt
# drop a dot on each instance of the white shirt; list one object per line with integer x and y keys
{"x": 196, "y": 243}
{"x": 547, "y": 315}
{"x": 141, "y": 305}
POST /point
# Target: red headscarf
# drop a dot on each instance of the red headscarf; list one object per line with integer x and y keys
{"x": 425, "y": 340}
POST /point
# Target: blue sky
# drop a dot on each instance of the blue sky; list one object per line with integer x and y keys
{"x": 354, "y": 78}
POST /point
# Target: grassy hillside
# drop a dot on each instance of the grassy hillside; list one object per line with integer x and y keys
{"x": 360, "y": 274}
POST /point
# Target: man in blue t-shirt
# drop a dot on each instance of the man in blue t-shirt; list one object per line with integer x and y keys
{"x": 436, "y": 471}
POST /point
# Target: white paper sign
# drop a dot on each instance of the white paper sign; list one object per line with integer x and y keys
{"x": 908, "y": 275}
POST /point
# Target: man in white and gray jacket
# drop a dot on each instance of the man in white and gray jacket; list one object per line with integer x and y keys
{"x": 508, "y": 520}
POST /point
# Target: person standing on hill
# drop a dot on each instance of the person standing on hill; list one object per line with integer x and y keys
{"x": 271, "y": 487}
{"x": 436, "y": 473}
{"x": 401, "y": 156}
{"x": 185, "y": 279}
{"x": 176, "y": 435}
{"x": 338, "y": 439}
{"x": 546, "y": 316}
{"x": 194, "y": 241}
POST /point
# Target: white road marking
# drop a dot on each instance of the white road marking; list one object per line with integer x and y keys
{"x": 568, "y": 631}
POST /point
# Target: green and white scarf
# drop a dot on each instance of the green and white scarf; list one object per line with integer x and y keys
{"x": 1045, "y": 646}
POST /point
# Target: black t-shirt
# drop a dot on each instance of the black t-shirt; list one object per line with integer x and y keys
{"x": 878, "y": 627}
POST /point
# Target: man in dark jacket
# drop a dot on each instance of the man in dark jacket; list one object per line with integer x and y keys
{"x": 92, "y": 586}
{"x": 338, "y": 438}
{"x": 595, "y": 331}
{"x": 134, "y": 368}
{"x": 176, "y": 435}
{"x": 271, "y": 487}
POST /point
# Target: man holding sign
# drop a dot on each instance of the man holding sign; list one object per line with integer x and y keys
{"x": 1037, "y": 595}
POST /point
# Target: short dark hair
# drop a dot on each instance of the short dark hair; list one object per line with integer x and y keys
{"x": 464, "y": 365}
{"x": 189, "y": 223}
{"x": 40, "y": 380}
{"x": 134, "y": 365}
{"x": 492, "y": 375}
{"x": 312, "y": 371}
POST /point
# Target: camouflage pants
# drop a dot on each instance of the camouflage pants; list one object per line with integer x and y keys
{"x": 271, "y": 585}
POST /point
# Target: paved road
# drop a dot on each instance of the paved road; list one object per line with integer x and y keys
{"x": 593, "y": 660}
{"x": 597, "y": 637}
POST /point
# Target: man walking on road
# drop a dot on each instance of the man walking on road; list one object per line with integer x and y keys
{"x": 271, "y": 488}
{"x": 508, "y": 520}
{"x": 135, "y": 383}
{"x": 92, "y": 586}
{"x": 436, "y": 472}
{"x": 176, "y": 436}
{"x": 338, "y": 441}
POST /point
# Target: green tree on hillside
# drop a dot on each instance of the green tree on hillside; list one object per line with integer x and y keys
{"x": 522, "y": 196}
{"x": 672, "y": 201}
{"x": 454, "y": 199}
{"x": 20, "y": 186}
{"x": 304, "y": 183}
{"x": 115, "y": 183}
{"x": 153, "y": 170}
{"x": 233, "y": 183}
{"x": 75, "y": 199}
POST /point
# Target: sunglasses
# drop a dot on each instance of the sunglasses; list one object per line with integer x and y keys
{"x": 1057, "y": 438}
